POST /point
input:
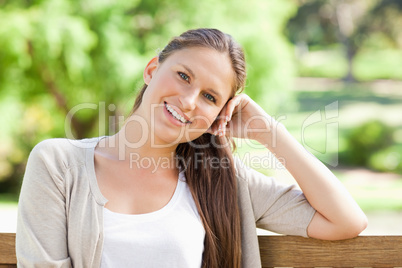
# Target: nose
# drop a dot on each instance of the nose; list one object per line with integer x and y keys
{"x": 188, "y": 100}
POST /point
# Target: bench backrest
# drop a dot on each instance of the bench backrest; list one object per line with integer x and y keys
{"x": 7, "y": 250}
{"x": 362, "y": 251}
{"x": 292, "y": 251}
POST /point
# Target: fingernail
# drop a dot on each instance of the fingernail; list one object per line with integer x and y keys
{"x": 227, "y": 118}
{"x": 223, "y": 131}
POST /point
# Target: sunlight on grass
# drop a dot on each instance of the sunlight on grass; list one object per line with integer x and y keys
{"x": 323, "y": 63}
{"x": 376, "y": 195}
{"x": 8, "y": 206}
{"x": 367, "y": 65}
{"x": 384, "y": 64}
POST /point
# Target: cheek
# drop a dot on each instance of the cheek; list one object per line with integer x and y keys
{"x": 205, "y": 120}
{"x": 162, "y": 84}
{"x": 167, "y": 81}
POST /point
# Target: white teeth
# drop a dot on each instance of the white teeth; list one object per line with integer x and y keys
{"x": 175, "y": 114}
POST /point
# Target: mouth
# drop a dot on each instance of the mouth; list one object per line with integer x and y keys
{"x": 176, "y": 115}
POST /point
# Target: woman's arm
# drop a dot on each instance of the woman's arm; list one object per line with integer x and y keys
{"x": 41, "y": 228}
{"x": 338, "y": 215}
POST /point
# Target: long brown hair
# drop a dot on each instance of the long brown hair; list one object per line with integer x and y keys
{"x": 212, "y": 185}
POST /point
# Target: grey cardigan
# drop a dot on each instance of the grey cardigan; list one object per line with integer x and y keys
{"x": 60, "y": 211}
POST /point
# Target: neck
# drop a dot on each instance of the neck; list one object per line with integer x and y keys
{"x": 140, "y": 151}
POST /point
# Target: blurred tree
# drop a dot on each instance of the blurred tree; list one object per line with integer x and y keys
{"x": 72, "y": 68}
{"x": 353, "y": 23}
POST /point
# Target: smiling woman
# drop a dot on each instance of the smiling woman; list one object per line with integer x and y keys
{"x": 179, "y": 198}
{"x": 194, "y": 83}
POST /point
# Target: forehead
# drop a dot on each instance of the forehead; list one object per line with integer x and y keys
{"x": 211, "y": 68}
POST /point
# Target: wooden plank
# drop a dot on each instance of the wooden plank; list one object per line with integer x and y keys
{"x": 291, "y": 251}
{"x": 362, "y": 251}
{"x": 7, "y": 249}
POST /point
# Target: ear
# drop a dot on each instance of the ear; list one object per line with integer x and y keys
{"x": 150, "y": 69}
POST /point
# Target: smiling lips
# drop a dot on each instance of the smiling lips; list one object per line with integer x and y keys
{"x": 176, "y": 115}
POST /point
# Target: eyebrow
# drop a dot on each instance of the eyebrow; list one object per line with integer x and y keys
{"x": 193, "y": 75}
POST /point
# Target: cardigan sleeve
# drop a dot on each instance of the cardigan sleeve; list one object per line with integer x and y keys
{"x": 41, "y": 239}
{"x": 277, "y": 207}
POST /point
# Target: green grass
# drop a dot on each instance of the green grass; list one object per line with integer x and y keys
{"x": 367, "y": 64}
{"x": 8, "y": 206}
{"x": 357, "y": 104}
{"x": 370, "y": 195}
{"x": 8, "y": 198}
{"x": 378, "y": 64}
{"x": 377, "y": 195}
{"x": 323, "y": 63}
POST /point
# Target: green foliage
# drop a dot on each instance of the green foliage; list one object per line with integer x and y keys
{"x": 57, "y": 56}
{"x": 356, "y": 25}
{"x": 388, "y": 159}
{"x": 313, "y": 24}
{"x": 364, "y": 141}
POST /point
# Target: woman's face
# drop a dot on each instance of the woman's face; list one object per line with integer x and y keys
{"x": 186, "y": 93}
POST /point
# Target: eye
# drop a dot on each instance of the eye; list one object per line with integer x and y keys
{"x": 184, "y": 76}
{"x": 210, "y": 97}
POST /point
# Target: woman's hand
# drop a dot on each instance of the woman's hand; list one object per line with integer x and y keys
{"x": 338, "y": 215}
{"x": 241, "y": 117}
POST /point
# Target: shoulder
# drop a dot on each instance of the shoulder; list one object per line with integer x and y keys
{"x": 62, "y": 152}
{"x": 240, "y": 168}
{"x": 51, "y": 160}
{"x": 250, "y": 180}
{"x": 246, "y": 174}
{"x": 257, "y": 183}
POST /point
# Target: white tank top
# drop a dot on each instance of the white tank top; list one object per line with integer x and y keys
{"x": 170, "y": 237}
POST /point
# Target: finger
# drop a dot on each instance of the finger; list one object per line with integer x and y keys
{"x": 219, "y": 126}
{"x": 214, "y": 128}
{"x": 227, "y": 112}
{"x": 210, "y": 131}
{"x": 231, "y": 106}
{"x": 222, "y": 123}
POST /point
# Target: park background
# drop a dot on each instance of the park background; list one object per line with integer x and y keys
{"x": 329, "y": 69}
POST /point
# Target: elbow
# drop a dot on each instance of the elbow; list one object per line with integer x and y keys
{"x": 344, "y": 228}
{"x": 362, "y": 225}
{"x": 355, "y": 227}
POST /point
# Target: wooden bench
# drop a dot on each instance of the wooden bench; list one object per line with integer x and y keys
{"x": 291, "y": 251}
